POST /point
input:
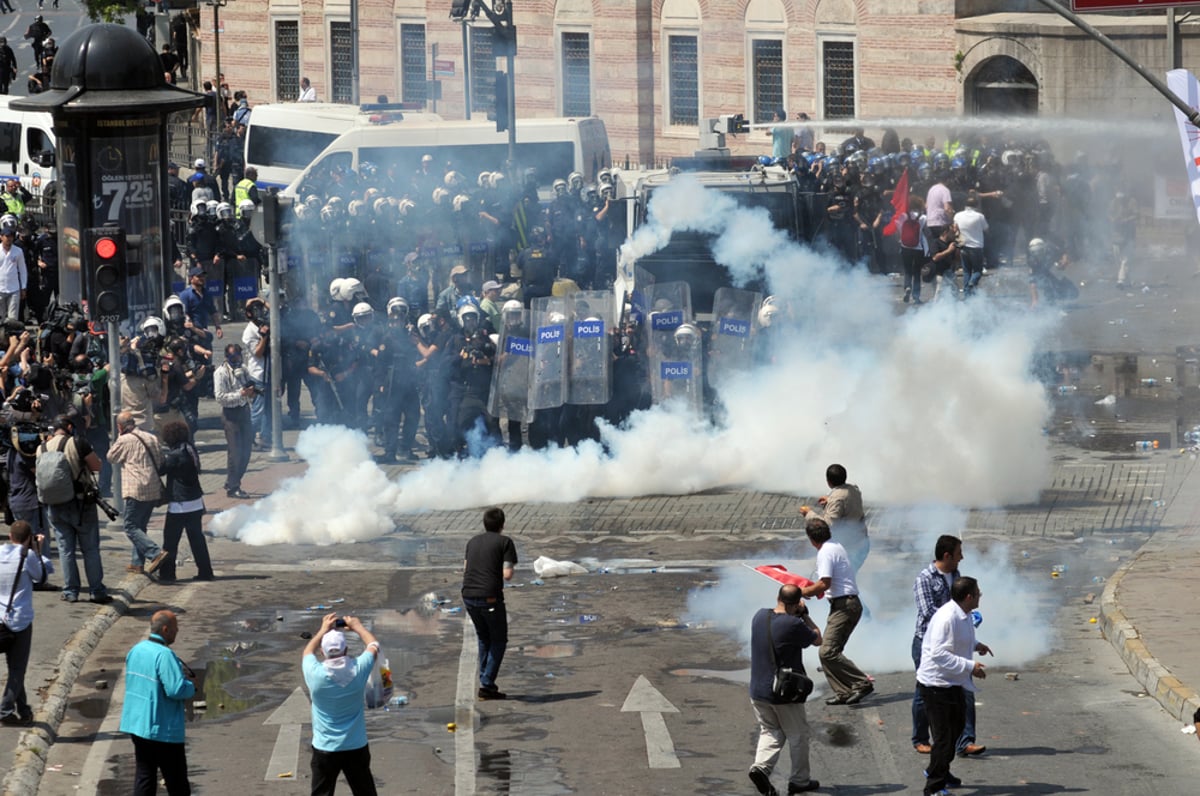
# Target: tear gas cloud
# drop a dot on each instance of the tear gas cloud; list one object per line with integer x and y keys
{"x": 931, "y": 406}
{"x": 1016, "y": 611}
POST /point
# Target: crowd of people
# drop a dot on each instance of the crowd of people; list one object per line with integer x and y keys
{"x": 943, "y": 648}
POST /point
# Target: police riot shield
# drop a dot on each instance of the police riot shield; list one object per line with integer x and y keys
{"x": 509, "y": 397}
{"x": 548, "y": 381}
{"x": 669, "y": 307}
{"x": 590, "y": 371}
{"x": 731, "y": 341}
{"x": 677, "y": 368}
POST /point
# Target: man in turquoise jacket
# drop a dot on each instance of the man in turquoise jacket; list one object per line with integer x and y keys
{"x": 157, "y": 684}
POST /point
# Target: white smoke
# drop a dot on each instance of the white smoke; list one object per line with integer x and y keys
{"x": 936, "y": 405}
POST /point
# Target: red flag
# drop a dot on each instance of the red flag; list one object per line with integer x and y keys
{"x": 779, "y": 574}
{"x": 899, "y": 203}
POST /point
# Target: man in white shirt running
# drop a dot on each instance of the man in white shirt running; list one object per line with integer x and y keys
{"x": 944, "y": 675}
{"x": 971, "y": 226}
{"x": 835, "y": 577}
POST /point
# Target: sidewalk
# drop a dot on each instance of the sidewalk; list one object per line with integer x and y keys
{"x": 1149, "y": 607}
{"x": 66, "y": 633}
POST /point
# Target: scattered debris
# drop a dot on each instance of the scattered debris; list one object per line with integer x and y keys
{"x": 102, "y": 685}
{"x": 1089, "y": 598}
{"x": 549, "y": 568}
{"x": 1011, "y": 676}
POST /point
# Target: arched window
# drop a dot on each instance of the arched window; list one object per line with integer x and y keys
{"x": 681, "y": 46}
{"x": 573, "y": 29}
{"x": 766, "y": 28}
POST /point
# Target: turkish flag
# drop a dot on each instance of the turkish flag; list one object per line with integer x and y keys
{"x": 780, "y": 574}
{"x": 899, "y": 203}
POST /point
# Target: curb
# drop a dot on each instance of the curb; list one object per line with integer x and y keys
{"x": 29, "y": 759}
{"x": 1177, "y": 698}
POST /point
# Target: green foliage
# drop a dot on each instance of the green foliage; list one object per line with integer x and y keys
{"x": 111, "y": 10}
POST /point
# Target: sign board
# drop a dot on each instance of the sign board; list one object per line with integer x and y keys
{"x": 443, "y": 67}
{"x": 1127, "y": 5}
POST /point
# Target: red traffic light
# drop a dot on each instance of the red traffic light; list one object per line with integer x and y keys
{"x": 106, "y": 248}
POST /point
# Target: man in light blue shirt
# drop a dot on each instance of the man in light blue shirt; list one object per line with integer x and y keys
{"x": 336, "y": 686}
{"x": 21, "y": 566}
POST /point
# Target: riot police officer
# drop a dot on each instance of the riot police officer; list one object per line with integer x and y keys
{"x": 398, "y": 399}
{"x": 471, "y": 379}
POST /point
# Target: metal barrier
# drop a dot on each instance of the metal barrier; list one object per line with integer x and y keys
{"x": 188, "y": 140}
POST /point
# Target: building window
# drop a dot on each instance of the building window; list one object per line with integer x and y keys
{"x": 341, "y": 62}
{"x": 483, "y": 70}
{"x": 837, "y": 58}
{"x": 576, "y": 75}
{"x": 413, "y": 85}
{"x": 287, "y": 60}
{"x": 683, "y": 85}
{"x": 767, "y": 57}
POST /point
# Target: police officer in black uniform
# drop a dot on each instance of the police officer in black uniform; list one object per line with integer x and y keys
{"x": 398, "y": 399}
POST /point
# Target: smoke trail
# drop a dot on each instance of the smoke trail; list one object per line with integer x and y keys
{"x": 931, "y": 406}
{"x": 1017, "y": 630}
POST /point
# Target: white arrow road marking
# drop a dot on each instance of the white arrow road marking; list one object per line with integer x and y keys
{"x": 295, "y": 711}
{"x": 645, "y": 699}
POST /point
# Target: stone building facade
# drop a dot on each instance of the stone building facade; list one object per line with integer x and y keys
{"x": 654, "y": 69}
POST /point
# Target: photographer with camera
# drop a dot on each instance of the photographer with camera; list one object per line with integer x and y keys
{"x": 21, "y": 462}
{"x": 21, "y": 566}
{"x": 140, "y": 458}
{"x": 256, "y": 338}
{"x": 234, "y": 392}
{"x": 144, "y": 382}
{"x": 74, "y": 520}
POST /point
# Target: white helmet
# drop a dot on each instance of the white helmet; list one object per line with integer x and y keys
{"x": 356, "y": 207}
{"x": 766, "y": 314}
{"x": 213, "y": 206}
{"x": 246, "y": 207}
{"x": 560, "y": 186}
{"x": 405, "y": 205}
{"x": 397, "y": 308}
{"x": 484, "y": 180}
{"x": 461, "y": 201}
{"x": 8, "y": 224}
{"x": 575, "y": 181}
{"x": 687, "y": 335}
{"x": 224, "y": 211}
{"x": 512, "y": 305}
{"x": 381, "y": 206}
{"x": 313, "y": 201}
{"x": 199, "y": 208}
{"x": 199, "y": 164}
{"x": 467, "y": 311}
{"x": 425, "y": 324}
{"x": 173, "y": 309}
{"x": 556, "y": 317}
{"x": 335, "y": 288}
{"x": 362, "y": 313}
{"x": 153, "y": 326}
{"x": 496, "y": 180}
{"x": 607, "y": 191}
{"x": 453, "y": 179}
{"x": 1037, "y": 247}
{"x": 439, "y": 195}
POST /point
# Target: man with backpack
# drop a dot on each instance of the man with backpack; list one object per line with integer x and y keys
{"x": 66, "y": 469}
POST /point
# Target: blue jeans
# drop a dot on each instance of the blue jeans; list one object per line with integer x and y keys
{"x": 260, "y": 409}
{"x": 135, "y": 520}
{"x": 78, "y": 527}
{"x": 36, "y": 520}
{"x": 491, "y": 627}
{"x": 920, "y": 721}
{"x": 972, "y": 260}
{"x": 14, "y": 701}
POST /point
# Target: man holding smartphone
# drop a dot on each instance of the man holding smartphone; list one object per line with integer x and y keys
{"x": 339, "y": 724}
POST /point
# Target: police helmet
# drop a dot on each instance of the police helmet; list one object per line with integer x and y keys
{"x": 941, "y": 160}
{"x": 381, "y": 206}
{"x": 464, "y": 301}
{"x": 8, "y": 224}
{"x": 335, "y": 289}
{"x": 663, "y": 305}
{"x": 425, "y": 325}
{"x": 439, "y": 195}
{"x": 607, "y": 191}
{"x": 173, "y": 309}
{"x": 537, "y": 235}
{"x": 687, "y": 335}
{"x": 357, "y": 207}
{"x": 329, "y": 213}
{"x": 370, "y": 195}
{"x": 958, "y": 164}
{"x": 497, "y": 180}
{"x": 246, "y": 206}
{"x": 453, "y": 179}
{"x": 301, "y": 211}
{"x": 924, "y": 171}
{"x": 468, "y": 314}
{"x": 405, "y": 205}
{"x": 512, "y": 307}
{"x": 313, "y": 201}
{"x": 560, "y": 187}
{"x": 1037, "y": 248}
{"x": 397, "y": 309}
{"x": 353, "y": 290}
{"x": 590, "y": 193}
{"x": 213, "y": 206}
{"x": 26, "y": 438}
{"x": 460, "y": 202}
{"x": 368, "y": 169}
{"x": 766, "y": 314}
{"x": 224, "y": 211}
{"x": 153, "y": 326}
{"x": 362, "y": 313}
{"x": 605, "y": 177}
{"x": 575, "y": 181}
{"x": 531, "y": 176}
{"x": 199, "y": 208}
{"x": 484, "y": 179}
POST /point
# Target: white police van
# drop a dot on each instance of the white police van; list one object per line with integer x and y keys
{"x": 26, "y": 146}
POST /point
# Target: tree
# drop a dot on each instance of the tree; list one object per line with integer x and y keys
{"x": 111, "y": 10}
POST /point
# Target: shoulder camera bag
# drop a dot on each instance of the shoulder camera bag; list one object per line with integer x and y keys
{"x": 789, "y": 684}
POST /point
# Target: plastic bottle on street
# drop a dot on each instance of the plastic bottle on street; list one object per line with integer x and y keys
{"x": 1149, "y": 382}
{"x": 1067, "y": 389}
{"x": 1146, "y": 445}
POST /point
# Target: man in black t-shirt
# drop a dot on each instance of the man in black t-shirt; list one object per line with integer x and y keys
{"x": 491, "y": 557}
{"x": 791, "y": 630}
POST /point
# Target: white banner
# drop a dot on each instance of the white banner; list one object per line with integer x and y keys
{"x": 1185, "y": 86}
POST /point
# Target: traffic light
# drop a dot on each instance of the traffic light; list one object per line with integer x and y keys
{"x": 501, "y": 115}
{"x": 459, "y": 9}
{"x": 104, "y": 257}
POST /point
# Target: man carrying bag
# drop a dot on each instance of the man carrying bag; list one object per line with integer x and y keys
{"x": 21, "y": 566}
{"x": 778, "y": 688}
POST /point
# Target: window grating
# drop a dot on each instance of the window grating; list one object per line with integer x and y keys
{"x": 684, "y": 80}
{"x": 768, "y": 78}
{"x": 413, "y": 71}
{"x": 287, "y": 60}
{"x": 576, "y": 74}
{"x": 341, "y": 62}
{"x": 838, "y": 58}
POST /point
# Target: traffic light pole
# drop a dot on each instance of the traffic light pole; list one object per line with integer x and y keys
{"x": 114, "y": 400}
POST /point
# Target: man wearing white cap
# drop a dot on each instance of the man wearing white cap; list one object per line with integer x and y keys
{"x": 339, "y": 724}
{"x": 490, "y": 304}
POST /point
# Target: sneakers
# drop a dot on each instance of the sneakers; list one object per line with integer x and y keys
{"x": 156, "y": 562}
{"x": 810, "y": 786}
{"x": 68, "y": 597}
{"x": 100, "y": 599}
{"x": 238, "y": 493}
{"x": 762, "y": 781}
{"x": 491, "y": 693}
{"x": 907, "y": 294}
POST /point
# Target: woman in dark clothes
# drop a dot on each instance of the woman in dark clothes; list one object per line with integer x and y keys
{"x": 185, "y": 511}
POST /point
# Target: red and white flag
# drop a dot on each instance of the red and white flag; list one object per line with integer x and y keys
{"x": 899, "y": 204}
{"x": 779, "y": 573}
